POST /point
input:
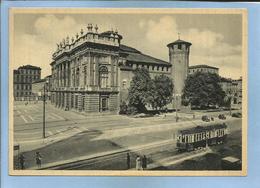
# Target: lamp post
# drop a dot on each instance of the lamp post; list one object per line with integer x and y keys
{"x": 43, "y": 128}
{"x": 44, "y": 101}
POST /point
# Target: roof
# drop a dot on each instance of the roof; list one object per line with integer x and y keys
{"x": 202, "y": 66}
{"x": 222, "y": 79}
{"x": 29, "y": 67}
{"x": 134, "y": 55}
{"x": 125, "y": 48}
{"x": 39, "y": 81}
{"x": 179, "y": 42}
{"x": 49, "y": 76}
{"x": 199, "y": 129}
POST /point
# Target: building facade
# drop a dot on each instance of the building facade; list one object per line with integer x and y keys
{"x": 203, "y": 68}
{"x": 22, "y": 82}
{"x": 233, "y": 90}
{"x": 92, "y": 73}
{"x": 38, "y": 88}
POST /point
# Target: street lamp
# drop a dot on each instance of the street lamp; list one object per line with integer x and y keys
{"x": 44, "y": 99}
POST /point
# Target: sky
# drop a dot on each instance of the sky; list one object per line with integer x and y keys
{"x": 216, "y": 38}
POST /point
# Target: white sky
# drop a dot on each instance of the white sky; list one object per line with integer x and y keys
{"x": 216, "y": 39}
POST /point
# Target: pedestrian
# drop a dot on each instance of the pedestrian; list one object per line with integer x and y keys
{"x": 144, "y": 162}
{"x": 128, "y": 160}
{"x": 21, "y": 161}
{"x": 38, "y": 158}
{"x": 193, "y": 116}
{"x": 138, "y": 163}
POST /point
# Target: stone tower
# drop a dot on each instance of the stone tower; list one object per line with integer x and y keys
{"x": 179, "y": 58}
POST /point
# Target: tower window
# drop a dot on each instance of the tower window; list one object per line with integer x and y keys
{"x": 179, "y": 46}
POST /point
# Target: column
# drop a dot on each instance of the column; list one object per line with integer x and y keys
{"x": 59, "y": 68}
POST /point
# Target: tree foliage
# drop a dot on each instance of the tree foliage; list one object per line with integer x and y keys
{"x": 140, "y": 89}
{"x": 143, "y": 90}
{"x": 162, "y": 91}
{"x": 203, "y": 90}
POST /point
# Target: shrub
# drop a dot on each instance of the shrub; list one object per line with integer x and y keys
{"x": 123, "y": 108}
{"x": 131, "y": 110}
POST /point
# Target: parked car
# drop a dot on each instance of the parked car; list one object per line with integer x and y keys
{"x": 205, "y": 118}
{"x": 237, "y": 115}
{"x": 221, "y": 116}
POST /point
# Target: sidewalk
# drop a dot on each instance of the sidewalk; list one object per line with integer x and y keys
{"x": 177, "y": 159}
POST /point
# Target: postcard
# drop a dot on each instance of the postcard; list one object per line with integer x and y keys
{"x": 127, "y": 92}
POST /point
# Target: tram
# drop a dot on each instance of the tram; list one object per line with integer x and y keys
{"x": 201, "y": 136}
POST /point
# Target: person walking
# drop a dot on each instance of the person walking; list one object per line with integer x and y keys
{"x": 38, "y": 158}
{"x": 21, "y": 161}
{"x": 144, "y": 162}
{"x": 138, "y": 163}
{"x": 128, "y": 160}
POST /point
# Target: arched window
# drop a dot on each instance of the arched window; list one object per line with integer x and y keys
{"x": 103, "y": 77}
{"x": 77, "y": 77}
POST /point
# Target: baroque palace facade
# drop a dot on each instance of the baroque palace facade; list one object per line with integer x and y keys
{"x": 92, "y": 72}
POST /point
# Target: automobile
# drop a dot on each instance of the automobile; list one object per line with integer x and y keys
{"x": 237, "y": 115}
{"x": 221, "y": 116}
{"x": 205, "y": 118}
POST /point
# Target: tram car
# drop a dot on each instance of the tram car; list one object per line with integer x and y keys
{"x": 201, "y": 136}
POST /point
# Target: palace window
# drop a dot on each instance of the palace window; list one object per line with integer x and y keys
{"x": 77, "y": 77}
{"x": 85, "y": 75}
{"x": 103, "y": 77}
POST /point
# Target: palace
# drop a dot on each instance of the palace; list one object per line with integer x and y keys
{"x": 92, "y": 72}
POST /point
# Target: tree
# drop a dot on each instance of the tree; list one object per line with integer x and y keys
{"x": 140, "y": 89}
{"x": 203, "y": 90}
{"x": 162, "y": 91}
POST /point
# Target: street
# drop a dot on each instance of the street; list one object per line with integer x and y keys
{"x": 72, "y": 137}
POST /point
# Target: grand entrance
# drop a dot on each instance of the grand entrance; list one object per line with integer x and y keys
{"x": 103, "y": 103}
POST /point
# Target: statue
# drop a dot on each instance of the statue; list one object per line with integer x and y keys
{"x": 67, "y": 40}
{"x": 96, "y": 28}
{"x": 81, "y": 32}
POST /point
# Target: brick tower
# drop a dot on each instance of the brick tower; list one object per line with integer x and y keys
{"x": 179, "y": 58}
